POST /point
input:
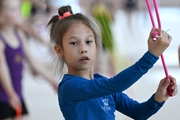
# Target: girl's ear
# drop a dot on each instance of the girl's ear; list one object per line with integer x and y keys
{"x": 58, "y": 50}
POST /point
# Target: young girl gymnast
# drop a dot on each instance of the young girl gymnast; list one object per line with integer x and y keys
{"x": 85, "y": 95}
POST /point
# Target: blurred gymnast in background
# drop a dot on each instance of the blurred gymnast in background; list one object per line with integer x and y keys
{"x": 13, "y": 51}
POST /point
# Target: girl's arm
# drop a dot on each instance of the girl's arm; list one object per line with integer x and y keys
{"x": 142, "y": 111}
{"x": 78, "y": 88}
{"x": 5, "y": 79}
{"x": 134, "y": 109}
{"x": 29, "y": 30}
{"x": 36, "y": 65}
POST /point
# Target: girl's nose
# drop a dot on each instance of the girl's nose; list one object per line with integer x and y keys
{"x": 82, "y": 51}
{"x": 82, "y": 48}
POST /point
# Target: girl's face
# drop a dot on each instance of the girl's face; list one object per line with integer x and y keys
{"x": 10, "y": 12}
{"x": 79, "y": 48}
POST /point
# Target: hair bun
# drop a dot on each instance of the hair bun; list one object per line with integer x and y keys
{"x": 64, "y": 9}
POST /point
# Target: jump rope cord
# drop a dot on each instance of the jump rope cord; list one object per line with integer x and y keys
{"x": 159, "y": 25}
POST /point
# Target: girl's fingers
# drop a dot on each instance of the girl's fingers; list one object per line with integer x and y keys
{"x": 172, "y": 79}
{"x": 175, "y": 91}
{"x": 174, "y": 85}
{"x": 166, "y": 83}
{"x": 163, "y": 82}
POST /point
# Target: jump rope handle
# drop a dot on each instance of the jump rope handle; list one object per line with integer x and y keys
{"x": 154, "y": 34}
{"x": 18, "y": 112}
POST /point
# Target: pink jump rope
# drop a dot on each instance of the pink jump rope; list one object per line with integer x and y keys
{"x": 169, "y": 89}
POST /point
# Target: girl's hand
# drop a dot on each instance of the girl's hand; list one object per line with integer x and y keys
{"x": 162, "y": 93}
{"x": 157, "y": 47}
{"x": 14, "y": 101}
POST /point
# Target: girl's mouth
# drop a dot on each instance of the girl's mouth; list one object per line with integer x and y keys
{"x": 83, "y": 59}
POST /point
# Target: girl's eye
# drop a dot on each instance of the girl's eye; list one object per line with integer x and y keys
{"x": 74, "y": 43}
{"x": 89, "y": 41}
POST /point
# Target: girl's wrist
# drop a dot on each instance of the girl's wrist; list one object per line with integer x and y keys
{"x": 157, "y": 98}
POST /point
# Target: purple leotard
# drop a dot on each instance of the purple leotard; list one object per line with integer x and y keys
{"x": 14, "y": 57}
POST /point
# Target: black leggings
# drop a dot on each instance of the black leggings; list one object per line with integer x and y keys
{"x": 6, "y": 111}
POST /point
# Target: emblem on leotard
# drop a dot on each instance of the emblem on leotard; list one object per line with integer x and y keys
{"x": 106, "y": 106}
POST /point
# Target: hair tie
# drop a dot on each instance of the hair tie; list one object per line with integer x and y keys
{"x": 60, "y": 17}
{"x": 66, "y": 14}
